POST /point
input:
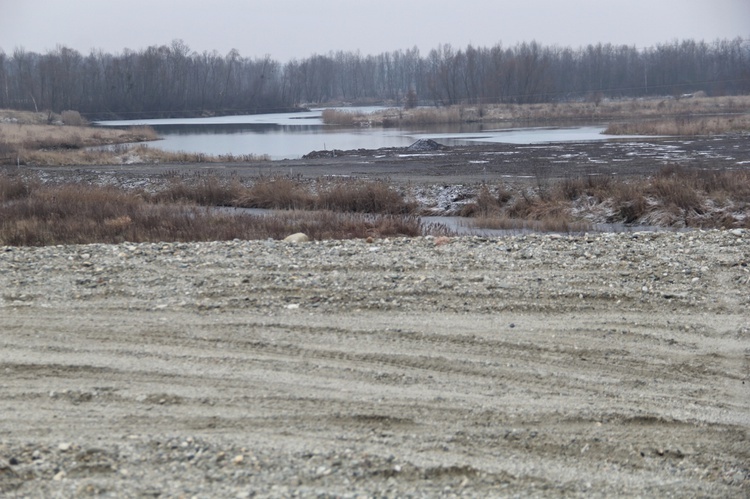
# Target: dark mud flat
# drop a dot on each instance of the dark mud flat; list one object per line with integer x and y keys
{"x": 464, "y": 165}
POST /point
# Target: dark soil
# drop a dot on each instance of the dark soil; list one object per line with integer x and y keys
{"x": 466, "y": 164}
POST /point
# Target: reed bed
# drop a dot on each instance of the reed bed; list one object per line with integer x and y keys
{"x": 675, "y": 197}
{"x": 589, "y": 110}
{"x": 185, "y": 208}
{"x": 34, "y": 214}
{"x": 683, "y": 126}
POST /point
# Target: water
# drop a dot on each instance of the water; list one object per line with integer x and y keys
{"x": 292, "y": 135}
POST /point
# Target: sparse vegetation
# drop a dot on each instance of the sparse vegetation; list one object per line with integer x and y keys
{"x": 32, "y": 213}
{"x": 35, "y": 214}
{"x": 698, "y": 115}
{"x": 685, "y": 125}
{"x": 29, "y": 139}
{"x": 72, "y": 118}
{"x": 675, "y": 197}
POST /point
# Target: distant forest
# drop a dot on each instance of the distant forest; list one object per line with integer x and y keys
{"x": 170, "y": 81}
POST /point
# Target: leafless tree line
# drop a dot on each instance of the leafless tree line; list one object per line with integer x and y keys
{"x": 174, "y": 80}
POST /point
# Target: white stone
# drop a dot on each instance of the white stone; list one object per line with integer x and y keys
{"x": 299, "y": 237}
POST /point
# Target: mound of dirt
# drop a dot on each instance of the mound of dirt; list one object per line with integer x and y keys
{"x": 425, "y": 145}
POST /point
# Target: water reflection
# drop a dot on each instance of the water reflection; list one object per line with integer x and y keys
{"x": 292, "y": 135}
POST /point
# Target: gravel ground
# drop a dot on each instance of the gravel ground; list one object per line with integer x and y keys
{"x": 539, "y": 365}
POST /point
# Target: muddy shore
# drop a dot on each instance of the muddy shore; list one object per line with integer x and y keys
{"x": 490, "y": 163}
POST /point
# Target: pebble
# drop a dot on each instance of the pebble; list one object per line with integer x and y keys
{"x": 394, "y": 274}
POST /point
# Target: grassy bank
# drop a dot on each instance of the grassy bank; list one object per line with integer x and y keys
{"x": 683, "y": 126}
{"x": 32, "y": 213}
{"x": 604, "y": 110}
{"x": 46, "y": 139}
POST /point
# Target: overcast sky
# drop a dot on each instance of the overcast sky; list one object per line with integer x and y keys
{"x": 287, "y": 29}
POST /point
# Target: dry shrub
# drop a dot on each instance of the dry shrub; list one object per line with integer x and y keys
{"x": 596, "y": 186}
{"x": 522, "y": 205}
{"x": 418, "y": 116}
{"x": 52, "y": 145}
{"x": 72, "y": 118}
{"x": 142, "y": 133}
{"x": 66, "y": 157}
{"x": 202, "y": 190}
{"x": 15, "y": 187}
{"x": 362, "y": 197}
{"x": 674, "y": 197}
{"x": 69, "y": 214}
{"x": 77, "y": 214}
{"x": 628, "y": 202}
{"x": 279, "y": 193}
{"x": 551, "y": 224}
{"x": 343, "y": 117}
{"x": 54, "y": 141}
{"x": 729, "y": 184}
{"x": 486, "y": 203}
{"x": 119, "y": 223}
{"x": 644, "y": 109}
{"x": 683, "y": 125}
{"x": 321, "y": 225}
{"x": 145, "y": 154}
{"x": 672, "y": 187}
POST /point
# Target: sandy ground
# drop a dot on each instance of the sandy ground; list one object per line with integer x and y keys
{"x": 612, "y": 365}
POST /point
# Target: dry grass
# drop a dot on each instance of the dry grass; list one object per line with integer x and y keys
{"x": 73, "y": 118}
{"x": 606, "y": 110}
{"x": 561, "y": 225}
{"x": 345, "y": 118}
{"x": 32, "y": 214}
{"x": 279, "y": 193}
{"x": 31, "y": 139}
{"x": 202, "y": 190}
{"x": 67, "y": 137}
{"x": 686, "y": 126}
{"x": 362, "y": 197}
{"x": 675, "y": 197}
{"x": 352, "y": 196}
{"x": 22, "y": 142}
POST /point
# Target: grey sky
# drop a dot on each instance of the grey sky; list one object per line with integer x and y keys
{"x": 286, "y": 29}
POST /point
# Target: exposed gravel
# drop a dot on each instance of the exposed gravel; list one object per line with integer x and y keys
{"x": 592, "y": 365}
{"x": 400, "y": 273}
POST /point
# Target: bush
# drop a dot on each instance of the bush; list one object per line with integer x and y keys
{"x": 363, "y": 197}
{"x": 278, "y": 193}
{"x": 73, "y": 118}
{"x": 205, "y": 191}
{"x": 79, "y": 214}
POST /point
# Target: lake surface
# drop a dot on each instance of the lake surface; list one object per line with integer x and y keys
{"x": 292, "y": 135}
